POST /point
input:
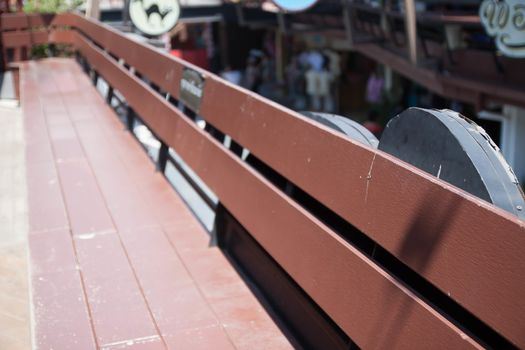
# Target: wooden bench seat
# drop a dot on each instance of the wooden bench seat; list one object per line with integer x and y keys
{"x": 117, "y": 259}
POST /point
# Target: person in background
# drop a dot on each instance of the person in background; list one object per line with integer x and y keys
{"x": 374, "y": 89}
{"x": 268, "y": 80}
{"x": 294, "y": 81}
{"x": 234, "y": 76}
{"x": 313, "y": 86}
{"x": 318, "y": 89}
{"x": 315, "y": 60}
{"x": 372, "y": 125}
{"x": 252, "y": 78}
{"x": 333, "y": 65}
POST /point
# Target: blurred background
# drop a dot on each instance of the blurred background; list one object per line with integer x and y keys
{"x": 365, "y": 60}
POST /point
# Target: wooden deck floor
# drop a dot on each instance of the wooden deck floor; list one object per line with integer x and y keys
{"x": 116, "y": 258}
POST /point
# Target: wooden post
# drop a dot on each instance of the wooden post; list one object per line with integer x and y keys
{"x": 125, "y": 13}
{"x": 280, "y": 39}
{"x": 130, "y": 118}
{"x": 93, "y": 9}
{"x": 223, "y": 43}
{"x": 411, "y": 30}
{"x": 347, "y": 20}
{"x": 94, "y": 77}
{"x": 109, "y": 95}
{"x": 162, "y": 159}
{"x": 240, "y": 14}
{"x": 385, "y": 22}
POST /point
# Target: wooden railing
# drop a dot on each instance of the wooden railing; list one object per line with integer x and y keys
{"x": 22, "y": 32}
{"x": 411, "y": 261}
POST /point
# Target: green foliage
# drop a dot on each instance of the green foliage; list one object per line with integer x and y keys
{"x": 51, "y": 6}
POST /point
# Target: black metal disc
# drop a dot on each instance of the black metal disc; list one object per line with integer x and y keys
{"x": 346, "y": 126}
{"x": 455, "y": 149}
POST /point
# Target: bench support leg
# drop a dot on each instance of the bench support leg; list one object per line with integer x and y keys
{"x": 85, "y": 64}
{"x": 78, "y": 58}
{"x": 94, "y": 77}
{"x": 162, "y": 160}
{"x": 236, "y": 148}
{"x": 130, "y": 118}
{"x": 218, "y": 135}
{"x": 109, "y": 95}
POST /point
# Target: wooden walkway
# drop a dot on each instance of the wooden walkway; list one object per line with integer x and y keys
{"x": 116, "y": 258}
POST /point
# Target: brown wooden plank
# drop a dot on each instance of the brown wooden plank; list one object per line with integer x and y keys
{"x": 66, "y": 19}
{"x": 14, "y": 21}
{"x": 24, "y": 39}
{"x": 368, "y": 304}
{"x": 61, "y": 36}
{"x": 30, "y": 38}
{"x": 18, "y": 21}
{"x": 46, "y": 208}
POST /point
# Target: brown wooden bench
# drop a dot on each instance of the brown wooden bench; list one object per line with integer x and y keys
{"x": 412, "y": 263}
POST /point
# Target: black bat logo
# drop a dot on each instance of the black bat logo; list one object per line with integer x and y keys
{"x": 154, "y": 9}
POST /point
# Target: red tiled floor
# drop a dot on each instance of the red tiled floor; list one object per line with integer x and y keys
{"x": 118, "y": 260}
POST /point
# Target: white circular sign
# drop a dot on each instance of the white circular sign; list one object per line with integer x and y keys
{"x": 154, "y": 17}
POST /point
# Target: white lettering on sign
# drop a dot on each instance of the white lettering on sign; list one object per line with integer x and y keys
{"x": 194, "y": 90}
{"x": 505, "y": 21}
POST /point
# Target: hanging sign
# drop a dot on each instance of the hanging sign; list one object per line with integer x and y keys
{"x": 154, "y": 17}
{"x": 294, "y": 5}
{"x": 191, "y": 89}
{"x": 505, "y": 21}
